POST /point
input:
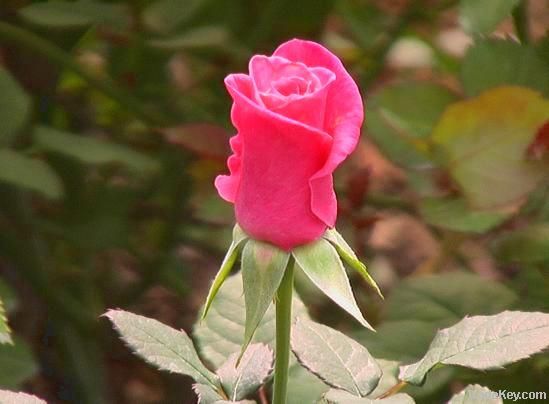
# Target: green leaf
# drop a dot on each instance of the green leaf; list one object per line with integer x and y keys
{"x": 474, "y": 394}
{"x": 252, "y": 371}
{"x": 454, "y": 214}
{"x": 72, "y": 15}
{"x": 421, "y": 305}
{"x": 165, "y": 16}
{"x": 446, "y": 298}
{"x": 304, "y": 387}
{"x": 197, "y": 38}
{"x": 160, "y": 345}
{"x": 483, "y": 16}
{"x": 335, "y": 358}
{"x": 348, "y": 255}
{"x": 206, "y": 394}
{"x": 15, "y": 106}
{"x": 483, "y": 342}
{"x": 33, "y": 174}
{"x": 11, "y": 397}
{"x": 263, "y": 266}
{"x": 389, "y": 377}
{"x": 342, "y": 397}
{"x": 401, "y": 118}
{"x": 321, "y": 263}
{"x": 5, "y": 331}
{"x": 222, "y": 333}
{"x": 494, "y": 62}
{"x": 18, "y": 364}
{"x": 90, "y": 150}
{"x": 528, "y": 245}
{"x": 239, "y": 237}
{"x": 483, "y": 142}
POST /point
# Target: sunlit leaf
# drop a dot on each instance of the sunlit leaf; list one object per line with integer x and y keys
{"x": 160, "y": 345}
{"x": 494, "y": 62}
{"x": 483, "y": 142}
{"x": 304, "y": 387}
{"x": 321, "y": 263}
{"x": 263, "y": 266}
{"x": 335, "y": 358}
{"x": 474, "y": 394}
{"x": 11, "y": 397}
{"x": 33, "y": 174}
{"x": 483, "y": 16}
{"x": 342, "y": 397}
{"x": 252, "y": 371}
{"x": 483, "y": 342}
{"x": 401, "y": 117}
{"x": 206, "y": 394}
{"x": 221, "y": 333}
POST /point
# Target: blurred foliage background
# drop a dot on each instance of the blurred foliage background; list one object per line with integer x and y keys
{"x": 114, "y": 121}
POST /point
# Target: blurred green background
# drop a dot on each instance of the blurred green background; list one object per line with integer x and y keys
{"x": 114, "y": 122}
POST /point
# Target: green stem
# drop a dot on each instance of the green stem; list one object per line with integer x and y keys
{"x": 520, "y": 19}
{"x": 60, "y": 57}
{"x": 283, "y": 327}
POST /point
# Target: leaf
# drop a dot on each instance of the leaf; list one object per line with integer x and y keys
{"x": 335, "y": 358}
{"x": 423, "y": 304}
{"x": 5, "y": 331}
{"x": 165, "y": 16}
{"x": 10, "y": 397}
{"x": 222, "y": 333}
{"x": 254, "y": 368}
{"x": 321, "y": 263}
{"x": 202, "y": 37}
{"x": 90, "y": 150}
{"x": 446, "y": 298}
{"x": 483, "y": 342}
{"x": 33, "y": 174}
{"x": 239, "y": 237}
{"x": 342, "y": 397}
{"x": 303, "y": 386}
{"x": 482, "y": 142}
{"x": 474, "y": 394}
{"x": 15, "y": 106}
{"x": 206, "y": 140}
{"x": 263, "y": 266}
{"x": 494, "y": 62}
{"x": 483, "y": 16}
{"x": 206, "y": 394}
{"x": 79, "y": 14}
{"x": 160, "y": 345}
{"x": 389, "y": 377}
{"x": 401, "y": 118}
{"x": 18, "y": 364}
{"x": 454, "y": 214}
{"x": 348, "y": 255}
{"x": 528, "y": 245}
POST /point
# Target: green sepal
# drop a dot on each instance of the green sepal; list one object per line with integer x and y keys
{"x": 348, "y": 255}
{"x": 239, "y": 239}
{"x": 263, "y": 266}
{"x": 322, "y": 265}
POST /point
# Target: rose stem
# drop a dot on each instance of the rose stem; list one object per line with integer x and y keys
{"x": 283, "y": 327}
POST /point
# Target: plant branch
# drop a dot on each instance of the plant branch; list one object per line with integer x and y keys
{"x": 283, "y": 328}
{"x": 58, "y": 56}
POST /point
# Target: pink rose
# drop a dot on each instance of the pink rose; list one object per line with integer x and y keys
{"x": 298, "y": 114}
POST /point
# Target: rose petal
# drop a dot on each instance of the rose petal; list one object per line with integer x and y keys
{"x": 343, "y": 119}
{"x": 278, "y": 154}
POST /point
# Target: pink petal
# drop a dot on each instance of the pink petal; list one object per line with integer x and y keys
{"x": 343, "y": 119}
